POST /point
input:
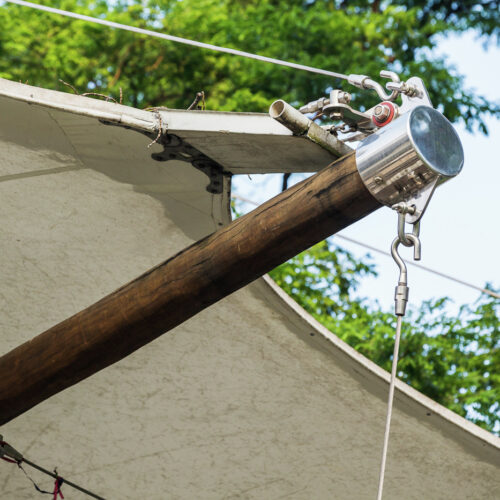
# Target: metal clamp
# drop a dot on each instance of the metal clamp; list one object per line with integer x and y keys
{"x": 336, "y": 107}
{"x": 407, "y": 159}
{"x": 7, "y": 450}
{"x": 405, "y": 151}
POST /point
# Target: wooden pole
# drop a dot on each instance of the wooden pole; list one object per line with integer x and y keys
{"x": 180, "y": 287}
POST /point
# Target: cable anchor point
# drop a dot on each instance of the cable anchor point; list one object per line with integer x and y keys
{"x": 402, "y": 290}
{"x": 408, "y": 240}
{"x": 403, "y": 209}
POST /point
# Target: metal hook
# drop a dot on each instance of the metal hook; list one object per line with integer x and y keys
{"x": 364, "y": 82}
{"x": 402, "y": 290}
{"x": 403, "y": 279}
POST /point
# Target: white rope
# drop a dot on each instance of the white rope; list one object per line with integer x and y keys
{"x": 177, "y": 39}
{"x": 383, "y": 252}
{"x": 389, "y": 408}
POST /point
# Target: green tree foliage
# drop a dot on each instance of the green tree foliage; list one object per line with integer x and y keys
{"x": 448, "y": 358}
{"x": 347, "y": 36}
{"x": 451, "y": 359}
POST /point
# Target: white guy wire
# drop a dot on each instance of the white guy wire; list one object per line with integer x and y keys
{"x": 411, "y": 263}
{"x": 389, "y": 408}
{"x": 177, "y": 39}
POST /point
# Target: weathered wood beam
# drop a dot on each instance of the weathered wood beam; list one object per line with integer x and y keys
{"x": 180, "y": 287}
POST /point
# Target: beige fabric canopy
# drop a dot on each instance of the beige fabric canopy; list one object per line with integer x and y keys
{"x": 252, "y": 398}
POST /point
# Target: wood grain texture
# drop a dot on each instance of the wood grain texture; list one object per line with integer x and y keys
{"x": 180, "y": 287}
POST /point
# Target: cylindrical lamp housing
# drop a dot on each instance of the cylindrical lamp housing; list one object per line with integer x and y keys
{"x": 398, "y": 162}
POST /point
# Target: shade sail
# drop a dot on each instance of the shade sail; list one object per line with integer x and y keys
{"x": 251, "y": 398}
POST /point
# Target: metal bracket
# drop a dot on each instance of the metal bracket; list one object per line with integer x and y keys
{"x": 418, "y": 97}
{"x": 420, "y": 201}
{"x": 336, "y": 107}
{"x": 175, "y": 148}
{"x": 353, "y": 118}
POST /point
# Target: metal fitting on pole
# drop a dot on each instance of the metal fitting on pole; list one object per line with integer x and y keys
{"x": 405, "y": 160}
{"x": 300, "y": 125}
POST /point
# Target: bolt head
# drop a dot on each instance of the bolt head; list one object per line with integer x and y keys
{"x": 381, "y": 112}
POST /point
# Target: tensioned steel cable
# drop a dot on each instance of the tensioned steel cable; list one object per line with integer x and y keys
{"x": 491, "y": 293}
{"x": 389, "y": 407}
{"x": 65, "y": 481}
{"x": 177, "y": 39}
{"x": 10, "y": 454}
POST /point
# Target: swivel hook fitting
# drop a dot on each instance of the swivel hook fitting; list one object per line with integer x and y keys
{"x": 403, "y": 209}
{"x": 365, "y": 82}
{"x": 402, "y": 290}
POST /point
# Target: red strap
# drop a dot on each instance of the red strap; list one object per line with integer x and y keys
{"x": 9, "y": 460}
{"x": 57, "y": 487}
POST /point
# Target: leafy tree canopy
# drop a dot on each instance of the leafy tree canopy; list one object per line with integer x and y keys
{"x": 348, "y": 36}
